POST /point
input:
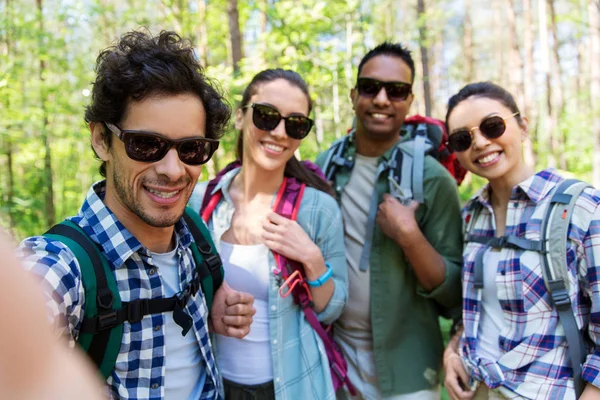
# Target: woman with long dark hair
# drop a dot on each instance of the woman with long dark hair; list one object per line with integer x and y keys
{"x": 282, "y": 357}
{"x": 527, "y": 333}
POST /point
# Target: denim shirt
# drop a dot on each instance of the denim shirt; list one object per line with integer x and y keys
{"x": 300, "y": 365}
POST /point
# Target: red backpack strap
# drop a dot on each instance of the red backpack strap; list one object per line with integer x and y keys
{"x": 210, "y": 200}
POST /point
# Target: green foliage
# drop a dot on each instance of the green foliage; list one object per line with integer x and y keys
{"x": 322, "y": 40}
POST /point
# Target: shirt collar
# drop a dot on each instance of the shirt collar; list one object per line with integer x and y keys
{"x": 535, "y": 188}
{"x": 225, "y": 182}
{"x": 117, "y": 242}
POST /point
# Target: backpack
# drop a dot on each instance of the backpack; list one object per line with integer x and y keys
{"x": 421, "y": 136}
{"x": 101, "y": 330}
{"x": 287, "y": 204}
{"x": 553, "y": 248}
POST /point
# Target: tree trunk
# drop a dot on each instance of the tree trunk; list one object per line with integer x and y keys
{"x": 336, "y": 103}
{"x": 236, "y": 37}
{"x": 557, "y": 89}
{"x": 423, "y": 46}
{"x": 516, "y": 65}
{"x": 499, "y": 53}
{"x": 348, "y": 60}
{"x": 468, "y": 45}
{"x": 594, "y": 33}
{"x": 549, "y": 115}
{"x": 262, "y": 6}
{"x": 529, "y": 86}
{"x": 45, "y": 129}
{"x": 202, "y": 33}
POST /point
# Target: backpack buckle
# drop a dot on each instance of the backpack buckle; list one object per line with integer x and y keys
{"x": 107, "y": 321}
{"x": 213, "y": 262}
{"x": 105, "y": 299}
{"x": 136, "y": 310}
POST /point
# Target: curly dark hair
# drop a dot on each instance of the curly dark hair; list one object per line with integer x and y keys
{"x": 140, "y": 66}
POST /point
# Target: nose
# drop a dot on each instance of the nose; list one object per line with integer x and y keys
{"x": 479, "y": 139}
{"x": 171, "y": 166}
{"x": 381, "y": 99}
{"x": 279, "y": 131}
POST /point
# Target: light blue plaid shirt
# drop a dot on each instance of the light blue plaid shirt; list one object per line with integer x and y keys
{"x": 534, "y": 362}
{"x": 140, "y": 368}
{"x": 300, "y": 365}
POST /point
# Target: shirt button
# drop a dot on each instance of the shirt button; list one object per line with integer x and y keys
{"x": 152, "y": 271}
{"x": 277, "y": 380}
{"x": 275, "y": 341}
{"x": 154, "y": 386}
{"x": 157, "y": 328}
{"x": 338, "y": 188}
{"x": 273, "y": 308}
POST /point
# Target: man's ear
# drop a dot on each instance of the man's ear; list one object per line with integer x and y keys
{"x": 239, "y": 119}
{"x": 353, "y": 95}
{"x": 98, "y": 143}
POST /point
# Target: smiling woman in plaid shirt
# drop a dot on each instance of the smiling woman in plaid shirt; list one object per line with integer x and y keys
{"x": 513, "y": 344}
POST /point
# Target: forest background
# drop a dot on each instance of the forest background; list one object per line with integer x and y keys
{"x": 546, "y": 52}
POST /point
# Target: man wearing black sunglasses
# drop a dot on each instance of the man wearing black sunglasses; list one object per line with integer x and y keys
{"x": 403, "y": 258}
{"x": 155, "y": 119}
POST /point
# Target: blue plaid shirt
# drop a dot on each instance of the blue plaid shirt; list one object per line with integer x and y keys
{"x": 534, "y": 363}
{"x": 139, "y": 372}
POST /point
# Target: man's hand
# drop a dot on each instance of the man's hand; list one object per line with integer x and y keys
{"x": 231, "y": 312}
{"x": 397, "y": 221}
{"x": 456, "y": 381}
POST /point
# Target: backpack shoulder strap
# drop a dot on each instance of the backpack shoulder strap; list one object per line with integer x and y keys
{"x": 208, "y": 263}
{"x": 101, "y": 294}
{"x": 335, "y": 158}
{"x": 554, "y": 232}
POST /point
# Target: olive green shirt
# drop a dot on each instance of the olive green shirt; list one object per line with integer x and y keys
{"x": 407, "y": 342}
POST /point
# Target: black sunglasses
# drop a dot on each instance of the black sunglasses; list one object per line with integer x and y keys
{"x": 491, "y": 127}
{"x": 395, "y": 91}
{"x": 267, "y": 118}
{"x": 151, "y": 147}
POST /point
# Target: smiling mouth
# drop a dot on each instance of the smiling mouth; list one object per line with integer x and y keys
{"x": 273, "y": 147}
{"x": 488, "y": 158}
{"x": 379, "y": 116}
{"x": 162, "y": 194}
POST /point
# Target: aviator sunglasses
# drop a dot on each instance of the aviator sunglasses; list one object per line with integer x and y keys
{"x": 151, "y": 147}
{"x": 267, "y": 118}
{"x": 491, "y": 127}
{"x": 395, "y": 91}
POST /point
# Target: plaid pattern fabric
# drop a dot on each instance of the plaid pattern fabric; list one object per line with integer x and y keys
{"x": 300, "y": 364}
{"x": 140, "y": 368}
{"x": 534, "y": 362}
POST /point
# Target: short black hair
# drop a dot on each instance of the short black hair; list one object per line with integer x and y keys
{"x": 488, "y": 90}
{"x": 390, "y": 49}
{"x": 140, "y": 66}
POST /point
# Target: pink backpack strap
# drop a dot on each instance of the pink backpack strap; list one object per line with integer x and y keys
{"x": 287, "y": 204}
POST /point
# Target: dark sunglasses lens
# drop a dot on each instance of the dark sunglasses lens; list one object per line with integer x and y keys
{"x": 298, "y": 127}
{"x": 143, "y": 147}
{"x": 195, "y": 151}
{"x": 459, "y": 141}
{"x": 492, "y": 127}
{"x": 368, "y": 87}
{"x": 397, "y": 91}
{"x": 265, "y": 117}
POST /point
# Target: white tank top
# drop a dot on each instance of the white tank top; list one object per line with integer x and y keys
{"x": 247, "y": 361}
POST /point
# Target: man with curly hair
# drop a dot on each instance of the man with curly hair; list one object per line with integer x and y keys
{"x": 154, "y": 119}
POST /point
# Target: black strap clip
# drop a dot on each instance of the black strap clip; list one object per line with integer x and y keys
{"x": 107, "y": 321}
{"x": 137, "y": 309}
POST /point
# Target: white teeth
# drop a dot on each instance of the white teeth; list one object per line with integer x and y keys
{"x": 163, "y": 195}
{"x": 273, "y": 147}
{"x": 488, "y": 158}
{"x": 379, "y": 116}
